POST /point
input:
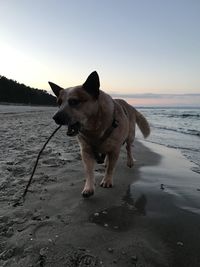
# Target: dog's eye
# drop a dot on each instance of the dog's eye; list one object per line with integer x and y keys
{"x": 73, "y": 102}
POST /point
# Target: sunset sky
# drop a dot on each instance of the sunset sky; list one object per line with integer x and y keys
{"x": 136, "y": 46}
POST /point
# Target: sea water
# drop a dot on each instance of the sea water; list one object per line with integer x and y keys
{"x": 177, "y": 128}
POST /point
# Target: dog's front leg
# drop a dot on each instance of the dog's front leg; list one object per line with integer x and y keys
{"x": 110, "y": 166}
{"x": 88, "y": 162}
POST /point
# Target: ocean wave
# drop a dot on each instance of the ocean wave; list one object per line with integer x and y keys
{"x": 179, "y": 130}
{"x": 168, "y": 113}
{"x": 184, "y": 115}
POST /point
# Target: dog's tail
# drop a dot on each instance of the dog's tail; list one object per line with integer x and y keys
{"x": 142, "y": 124}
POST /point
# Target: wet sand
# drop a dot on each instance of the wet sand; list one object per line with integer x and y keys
{"x": 149, "y": 218}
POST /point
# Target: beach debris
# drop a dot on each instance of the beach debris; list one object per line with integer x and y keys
{"x": 180, "y": 244}
{"x": 10, "y": 163}
{"x": 43, "y": 251}
{"x": 105, "y": 225}
{"x": 96, "y": 214}
{"x": 116, "y": 227}
{"x": 41, "y": 260}
{"x": 82, "y": 249}
{"x": 134, "y": 258}
{"x": 3, "y": 245}
{"x": 10, "y": 232}
{"x": 162, "y": 187}
{"x": 104, "y": 212}
{"x": 110, "y": 250}
{"x": 28, "y": 250}
{"x": 80, "y": 257}
{"x": 36, "y": 217}
{"x": 87, "y": 260}
{"x": 7, "y": 254}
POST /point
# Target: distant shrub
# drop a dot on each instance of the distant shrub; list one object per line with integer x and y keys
{"x": 13, "y": 92}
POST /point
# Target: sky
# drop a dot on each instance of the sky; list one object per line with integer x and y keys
{"x": 136, "y": 46}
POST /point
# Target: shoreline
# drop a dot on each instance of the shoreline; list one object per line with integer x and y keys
{"x": 138, "y": 221}
{"x": 194, "y": 167}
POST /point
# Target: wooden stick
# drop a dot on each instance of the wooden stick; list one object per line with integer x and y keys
{"x": 36, "y": 163}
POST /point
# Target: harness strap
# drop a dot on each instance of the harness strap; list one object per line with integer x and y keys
{"x": 99, "y": 157}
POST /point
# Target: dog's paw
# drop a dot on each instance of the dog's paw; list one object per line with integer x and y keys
{"x": 130, "y": 162}
{"x": 106, "y": 184}
{"x": 87, "y": 193}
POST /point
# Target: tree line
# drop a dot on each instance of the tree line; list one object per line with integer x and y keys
{"x": 13, "y": 92}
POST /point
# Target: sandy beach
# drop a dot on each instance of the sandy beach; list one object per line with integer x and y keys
{"x": 150, "y": 218}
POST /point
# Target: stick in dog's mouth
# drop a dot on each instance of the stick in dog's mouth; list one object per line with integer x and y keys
{"x": 73, "y": 129}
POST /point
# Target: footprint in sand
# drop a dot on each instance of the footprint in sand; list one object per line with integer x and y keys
{"x": 46, "y": 231}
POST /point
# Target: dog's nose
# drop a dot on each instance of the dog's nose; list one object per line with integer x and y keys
{"x": 60, "y": 118}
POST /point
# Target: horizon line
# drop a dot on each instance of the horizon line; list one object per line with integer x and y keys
{"x": 152, "y": 95}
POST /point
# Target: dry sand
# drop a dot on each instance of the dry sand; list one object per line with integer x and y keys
{"x": 149, "y": 218}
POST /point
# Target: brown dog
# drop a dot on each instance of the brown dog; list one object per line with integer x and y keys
{"x": 102, "y": 125}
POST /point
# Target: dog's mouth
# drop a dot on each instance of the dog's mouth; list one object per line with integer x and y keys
{"x": 73, "y": 129}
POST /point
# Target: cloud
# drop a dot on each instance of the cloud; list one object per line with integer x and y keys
{"x": 184, "y": 100}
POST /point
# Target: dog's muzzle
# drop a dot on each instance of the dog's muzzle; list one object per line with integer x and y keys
{"x": 62, "y": 119}
{"x": 73, "y": 129}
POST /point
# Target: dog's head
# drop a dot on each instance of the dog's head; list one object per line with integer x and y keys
{"x": 77, "y": 104}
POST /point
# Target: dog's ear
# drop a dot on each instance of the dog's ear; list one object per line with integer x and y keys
{"x": 92, "y": 84}
{"x": 55, "y": 88}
